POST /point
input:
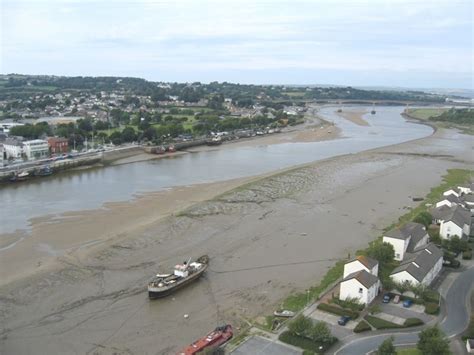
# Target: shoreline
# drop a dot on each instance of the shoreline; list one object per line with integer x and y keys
{"x": 286, "y": 216}
{"x": 354, "y": 116}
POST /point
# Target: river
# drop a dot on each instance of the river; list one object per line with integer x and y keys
{"x": 90, "y": 189}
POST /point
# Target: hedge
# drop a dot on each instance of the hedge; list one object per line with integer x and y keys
{"x": 338, "y": 311}
{"x": 348, "y": 304}
{"x": 431, "y": 308}
{"x": 304, "y": 343}
{"x": 379, "y": 323}
{"x": 467, "y": 255}
{"x": 363, "y": 326}
{"x": 413, "y": 322}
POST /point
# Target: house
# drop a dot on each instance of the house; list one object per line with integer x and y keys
{"x": 361, "y": 263}
{"x": 58, "y": 145}
{"x": 420, "y": 267}
{"x": 456, "y": 222}
{"x": 2, "y": 154}
{"x": 468, "y": 201}
{"x": 13, "y": 148}
{"x": 408, "y": 238}
{"x": 470, "y": 346}
{"x": 449, "y": 201}
{"x": 360, "y": 280}
{"x": 455, "y": 192}
{"x": 467, "y": 189}
{"x": 439, "y": 214}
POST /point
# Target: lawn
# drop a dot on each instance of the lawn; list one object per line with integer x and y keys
{"x": 425, "y": 113}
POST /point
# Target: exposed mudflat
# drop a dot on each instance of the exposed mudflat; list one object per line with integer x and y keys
{"x": 93, "y": 299}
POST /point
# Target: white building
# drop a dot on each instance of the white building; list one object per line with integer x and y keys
{"x": 450, "y": 201}
{"x": 36, "y": 149}
{"x": 470, "y": 346}
{"x": 419, "y": 268}
{"x": 361, "y": 263}
{"x": 456, "y": 192}
{"x": 13, "y": 148}
{"x": 360, "y": 280}
{"x": 467, "y": 189}
{"x": 407, "y": 239}
{"x": 361, "y": 286}
{"x": 456, "y": 222}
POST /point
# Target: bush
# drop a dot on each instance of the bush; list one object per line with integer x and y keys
{"x": 363, "y": 326}
{"x": 349, "y": 303}
{"x": 379, "y": 323}
{"x": 467, "y": 255}
{"x": 431, "y": 308}
{"x": 413, "y": 322}
{"x": 305, "y": 343}
{"x": 338, "y": 311}
{"x": 424, "y": 218}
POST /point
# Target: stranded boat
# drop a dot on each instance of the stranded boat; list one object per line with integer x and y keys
{"x": 164, "y": 284}
{"x": 214, "y": 141}
{"x": 284, "y": 313}
{"x": 214, "y": 339}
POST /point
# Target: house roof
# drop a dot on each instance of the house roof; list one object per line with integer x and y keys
{"x": 441, "y": 212}
{"x": 459, "y": 216}
{"x": 468, "y": 198}
{"x": 365, "y": 278}
{"x": 414, "y": 230}
{"x": 419, "y": 264}
{"x": 367, "y": 261}
{"x": 451, "y": 198}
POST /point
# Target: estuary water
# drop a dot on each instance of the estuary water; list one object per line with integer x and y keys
{"x": 90, "y": 189}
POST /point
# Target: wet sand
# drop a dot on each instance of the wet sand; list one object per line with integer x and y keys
{"x": 355, "y": 116}
{"x": 91, "y": 298}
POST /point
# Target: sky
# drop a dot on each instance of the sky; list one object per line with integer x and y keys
{"x": 397, "y": 43}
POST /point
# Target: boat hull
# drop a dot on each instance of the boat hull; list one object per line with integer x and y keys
{"x": 160, "y": 293}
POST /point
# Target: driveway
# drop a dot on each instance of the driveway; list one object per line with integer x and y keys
{"x": 400, "y": 311}
{"x": 263, "y": 346}
{"x": 456, "y": 321}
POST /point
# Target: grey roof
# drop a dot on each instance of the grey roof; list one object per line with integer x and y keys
{"x": 425, "y": 258}
{"x": 468, "y": 198}
{"x": 367, "y": 261}
{"x": 451, "y": 198}
{"x": 414, "y": 230}
{"x": 459, "y": 216}
{"x": 441, "y": 212}
{"x": 365, "y": 278}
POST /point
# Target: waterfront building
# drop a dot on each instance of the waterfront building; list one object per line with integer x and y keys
{"x": 58, "y": 145}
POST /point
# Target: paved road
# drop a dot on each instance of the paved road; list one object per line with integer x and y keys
{"x": 457, "y": 318}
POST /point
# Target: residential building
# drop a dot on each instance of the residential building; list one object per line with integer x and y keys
{"x": 2, "y": 155}
{"x": 470, "y": 346}
{"x": 13, "y": 148}
{"x": 449, "y": 200}
{"x": 361, "y": 263}
{"x": 419, "y": 268}
{"x": 468, "y": 201}
{"x": 58, "y": 145}
{"x": 407, "y": 239}
{"x": 456, "y": 222}
{"x": 455, "y": 192}
{"x": 36, "y": 149}
{"x": 361, "y": 286}
{"x": 467, "y": 189}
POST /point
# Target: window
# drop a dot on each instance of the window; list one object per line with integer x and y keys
{"x": 397, "y": 255}
{"x": 361, "y": 290}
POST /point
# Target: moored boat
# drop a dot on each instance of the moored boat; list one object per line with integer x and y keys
{"x": 214, "y": 141}
{"x": 45, "y": 171}
{"x": 284, "y": 313}
{"x": 20, "y": 176}
{"x": 164, "y": 284}
{"x": 214, "y": 339}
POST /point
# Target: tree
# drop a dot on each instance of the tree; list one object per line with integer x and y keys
{"x": 320, "y": 332}
{"x": 456, "y": 245}
{"x": 383, "y": 252}
{"x": 424, "y": 218}
{"x": 403, "y": 287}
{"x": 432, "y": 341}
{"x": 387, "y": 348}
{"x": 128, "y": 135}
{"x": 116, "y": 138}
{"x": 301, "y": 325}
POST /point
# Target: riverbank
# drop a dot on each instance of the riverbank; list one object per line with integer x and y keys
{"x": 256, "y": 233}
{"x": 355, "y": 116}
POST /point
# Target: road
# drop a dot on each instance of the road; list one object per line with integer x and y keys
{"x": 456, "y": 320}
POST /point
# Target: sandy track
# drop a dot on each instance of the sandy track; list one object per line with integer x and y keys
{"x": 94, "y": 300}
{"x": 355, "y": 116}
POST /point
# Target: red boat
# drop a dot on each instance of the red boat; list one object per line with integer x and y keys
{"x": 214, "y": 339}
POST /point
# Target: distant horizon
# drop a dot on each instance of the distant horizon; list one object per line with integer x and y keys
{"x": 396, "y": 43}
{"x": 364, "y": 87}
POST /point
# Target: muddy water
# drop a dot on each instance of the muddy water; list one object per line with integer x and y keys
{"x": 91, "y": 189}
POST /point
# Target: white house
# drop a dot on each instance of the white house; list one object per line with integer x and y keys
{"x": 456, "y": 222}
{"x": 419, "y": 268}
{"x": 361, "y": 286}
{"x": 13, "y": 148}
{"x": 456, "y": 192}
{"x": 467, "y": 189}
{"x": 361, "y": 263}
{"x": 408, "y": 238}
{"x": 470, "y": 346}
{"x": 450, "y": 201}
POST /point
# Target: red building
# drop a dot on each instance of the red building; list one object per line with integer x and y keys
{"x": 58, "y": 145}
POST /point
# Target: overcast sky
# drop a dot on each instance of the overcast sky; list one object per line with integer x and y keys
{"x": 412, "y": 43}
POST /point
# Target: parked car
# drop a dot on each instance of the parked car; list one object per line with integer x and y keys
{"x": 396, "y": 299}
{"x": 386, "y": 298}
{"x": 407, "y": 303}
{"x": 343, "y": 320}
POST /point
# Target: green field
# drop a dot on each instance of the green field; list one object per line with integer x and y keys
{"x": 425, "y": 113}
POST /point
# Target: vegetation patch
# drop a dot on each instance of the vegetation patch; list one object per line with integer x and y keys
{"x": 338, "y": 311}
{"x": 379, "y": 323}
{"x": 413, "y": 322}
{"x": 409, "y": 351}
{"x": 362, "y": 326}
{"x": 432, "y": 308}
{"x": 304, "y": 343}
